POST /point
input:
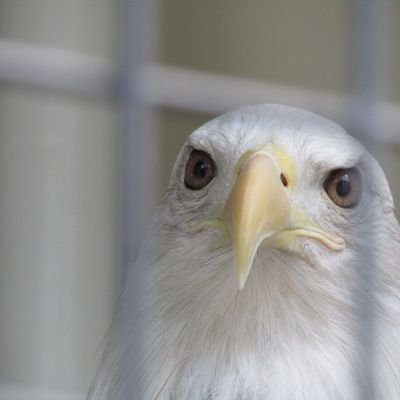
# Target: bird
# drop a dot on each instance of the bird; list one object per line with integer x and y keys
{"x": 250, "y": 271}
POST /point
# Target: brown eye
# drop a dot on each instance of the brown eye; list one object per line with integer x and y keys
{"x": 343, "y": 186}
{"x": 200, "y": 170}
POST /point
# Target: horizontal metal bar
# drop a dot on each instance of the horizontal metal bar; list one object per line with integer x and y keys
{"x": 55, "y": 68}
{"x": 214, "y": 94}
{"x": 175, "y": 87}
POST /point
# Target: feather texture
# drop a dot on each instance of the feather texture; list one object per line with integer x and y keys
{"x": 289, "y": 334}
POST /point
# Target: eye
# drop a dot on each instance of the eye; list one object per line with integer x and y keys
{"x": 200, "y": 170}
{"x": 343, "y": 186}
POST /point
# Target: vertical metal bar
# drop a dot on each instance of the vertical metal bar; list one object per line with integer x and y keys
{"x": 138, "y": 34}
{"x": 368, "y": 46}
{"x": 367, "y": 55}
{"x": 138, "y": 28}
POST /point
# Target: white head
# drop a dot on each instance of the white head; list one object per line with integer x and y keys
{"x": 250, "y": 261}
{"x": 269, "y": 180}
{"x": 267, "y": 212}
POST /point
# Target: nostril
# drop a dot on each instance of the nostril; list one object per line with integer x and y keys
{"x": 284, "y": 180}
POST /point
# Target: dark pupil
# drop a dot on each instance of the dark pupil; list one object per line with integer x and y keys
{"x": 200, "y": 169}
{"x": 343, "y": 186}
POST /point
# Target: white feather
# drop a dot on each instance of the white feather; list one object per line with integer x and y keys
{"x": 290, "y": 333}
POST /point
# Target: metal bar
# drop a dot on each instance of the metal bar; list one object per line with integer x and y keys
{"x": 140, "y": 177}
{"x": 138, "y": 122}
{"x": 180, "y": 88}
{"x": 169, "y": 86}
{"x": 367, "y": 47}
{"x": 53, "y": 68}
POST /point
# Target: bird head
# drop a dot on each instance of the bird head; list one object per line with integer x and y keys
{"x": 249, "y": 267}
{"x": 274, "y": 182}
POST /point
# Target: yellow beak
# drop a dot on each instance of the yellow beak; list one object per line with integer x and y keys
{"x": 259, "y": 208}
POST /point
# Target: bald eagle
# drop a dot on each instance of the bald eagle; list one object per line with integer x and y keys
{"x": 250, "y": 267}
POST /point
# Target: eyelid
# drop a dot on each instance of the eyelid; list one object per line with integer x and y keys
{"x": 335, "y": 167}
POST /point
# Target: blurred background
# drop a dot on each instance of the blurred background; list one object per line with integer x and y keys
{"x": 91, "y": 90}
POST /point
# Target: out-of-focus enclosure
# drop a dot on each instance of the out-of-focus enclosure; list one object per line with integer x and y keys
{"x": 63, "y": 110}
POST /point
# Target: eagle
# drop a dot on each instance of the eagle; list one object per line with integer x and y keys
{"x": 251, "y": 265}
